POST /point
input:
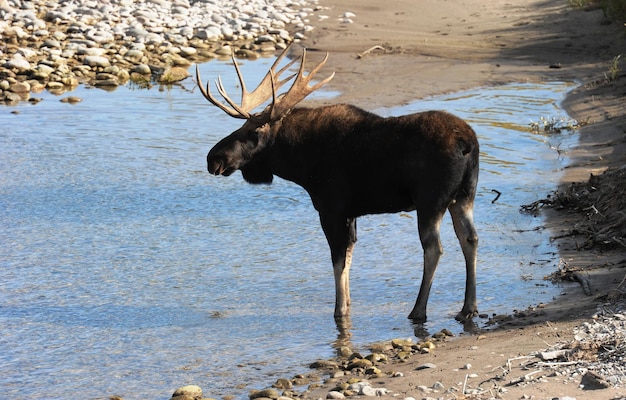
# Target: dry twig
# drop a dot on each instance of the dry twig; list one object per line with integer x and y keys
{"x": 366, "y": 52}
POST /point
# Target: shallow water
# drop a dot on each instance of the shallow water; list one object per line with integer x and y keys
{"x": 127, "y": 269}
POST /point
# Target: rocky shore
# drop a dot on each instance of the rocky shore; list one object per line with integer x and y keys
{"x": 592, "y": 361}
{"x": 55, "y": 46}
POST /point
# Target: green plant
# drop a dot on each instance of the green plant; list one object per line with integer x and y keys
{"x": 614, "y": 69}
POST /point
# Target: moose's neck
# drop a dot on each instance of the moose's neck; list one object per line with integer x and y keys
{"x": 311, "y": 141}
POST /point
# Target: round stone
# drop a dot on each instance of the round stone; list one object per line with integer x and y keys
{"x": 189, "y": 390}
{"x": 96, "y": 61}
{"x": 18, "y": 63}
{"x": 267, "y": 393}
{"x": 20, "y": 87}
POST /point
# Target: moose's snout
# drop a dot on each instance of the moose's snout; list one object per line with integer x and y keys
{"x": 219, "y": 166}
{"x": 214, "y": 165}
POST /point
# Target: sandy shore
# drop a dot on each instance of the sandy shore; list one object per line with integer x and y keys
{"x": 432, "y": 47}
{"x": 436, "y": 47}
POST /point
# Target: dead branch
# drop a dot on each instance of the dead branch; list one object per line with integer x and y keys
{"x": 498, "y": 194}
{"x": 508, "y": 362}
{"x": 366, "y": 52}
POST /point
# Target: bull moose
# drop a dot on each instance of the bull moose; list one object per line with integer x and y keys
{"x": 353, "y": 162}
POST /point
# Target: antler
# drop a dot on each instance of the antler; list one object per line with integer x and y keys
{"x": 249, "y": 100}
{"x": 299, "y": 89}
{"x": 267, "y": 88}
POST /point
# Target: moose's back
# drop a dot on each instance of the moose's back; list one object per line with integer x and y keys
{"x": 375, "y": 164}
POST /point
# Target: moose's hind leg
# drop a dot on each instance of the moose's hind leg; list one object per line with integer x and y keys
{"x": 462, "y": 218}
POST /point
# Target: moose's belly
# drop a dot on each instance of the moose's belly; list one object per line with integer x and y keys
{"x": 381, "y": 200}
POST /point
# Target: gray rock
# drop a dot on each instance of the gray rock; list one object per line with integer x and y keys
{"x": 96, "y": 61}
{"x": 53, "y": 43}
{"x": 593, "y": 381}
{"x": 133, "y": 55}
{"x": 186, "y": 51}
{"x": 18, "y": 62}
{"x": 90, "y": 51}
{"x": 367, "y": 391}
{"x": 438, "y": 386}
{"x": 426, "y": 366}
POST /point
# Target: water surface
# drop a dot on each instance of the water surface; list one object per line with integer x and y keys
{"x": 127, "y": 269}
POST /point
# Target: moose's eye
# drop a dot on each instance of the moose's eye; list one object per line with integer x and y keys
{"x": 252, "y": 135}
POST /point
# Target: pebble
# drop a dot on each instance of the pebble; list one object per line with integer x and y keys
{"x": 283, "y": 383}
{"x": 71, "y": 100}
{"x": 56, "y": 43}
{"x": 438, "y": 386}
{"x": 20, "y": 87}
{"x": 96, "y": 61}
{"x": 324, "y": 364}
{"x": 359, "y": 363}
{"x": 400, "y": 343}
{"x": 265, "y": 393}
{"x": 426, "y": 366}
{"x": 193, "y": 391}
{"x": 364, "y": 388}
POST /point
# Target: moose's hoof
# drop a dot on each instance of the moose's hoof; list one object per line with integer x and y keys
{"x": 417, "y": 318}
{"x": 465, "y": 316}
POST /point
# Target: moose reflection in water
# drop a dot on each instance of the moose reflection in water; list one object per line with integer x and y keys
{"x": 352, "y": 163}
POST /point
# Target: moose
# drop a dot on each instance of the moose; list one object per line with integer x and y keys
{"x": 352, "y": 163}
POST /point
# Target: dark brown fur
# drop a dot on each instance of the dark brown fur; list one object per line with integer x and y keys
{"x": 352, "y": 163}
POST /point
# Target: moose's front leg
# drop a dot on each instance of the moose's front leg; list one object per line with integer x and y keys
{"x": 341, "y": 236}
